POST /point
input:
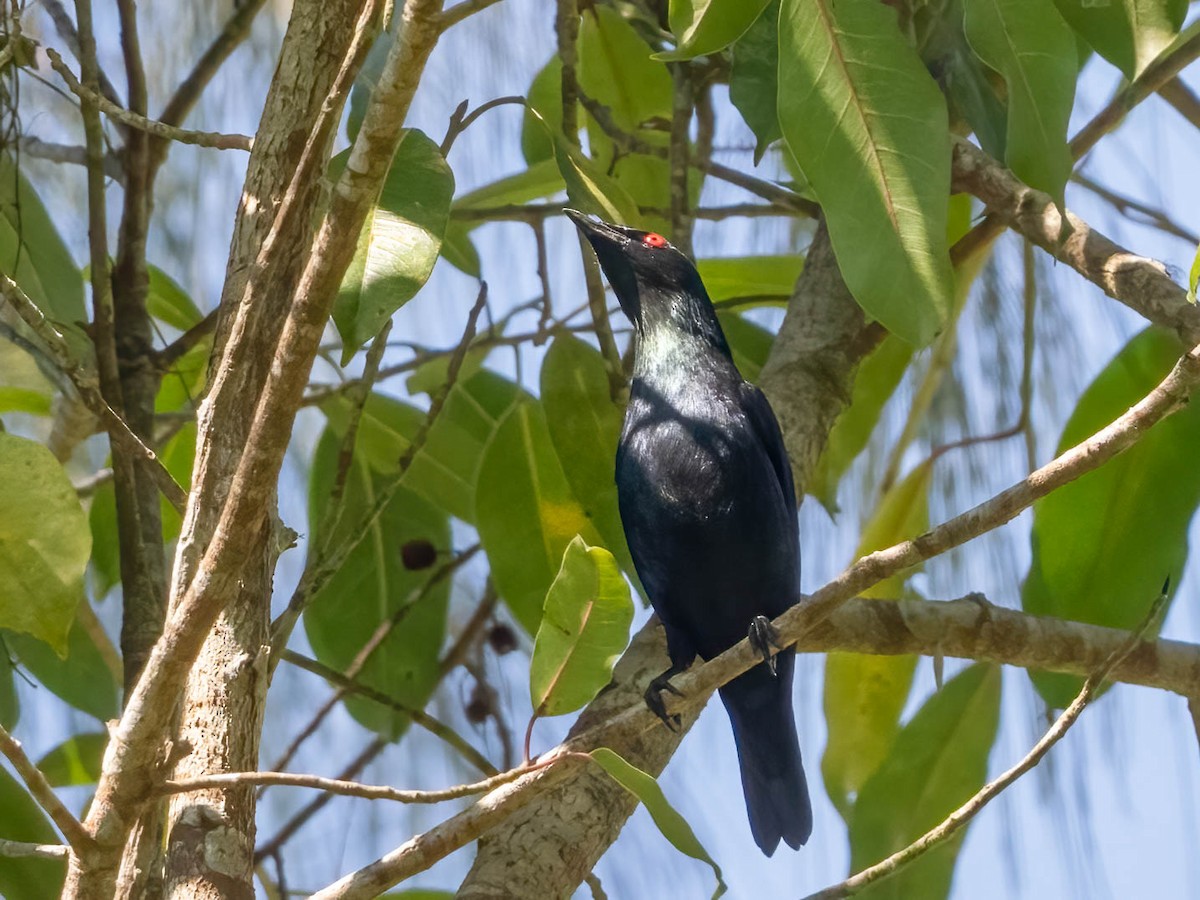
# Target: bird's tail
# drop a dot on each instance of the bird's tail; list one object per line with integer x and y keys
{"x": 764, "y": 728}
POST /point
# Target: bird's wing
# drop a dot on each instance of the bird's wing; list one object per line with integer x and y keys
{"x": 766, "y": 427}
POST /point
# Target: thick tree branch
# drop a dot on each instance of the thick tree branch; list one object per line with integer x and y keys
{"x": 1141, "y": 284}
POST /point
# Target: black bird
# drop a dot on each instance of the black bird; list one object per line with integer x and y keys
{"x": 709, "y": 510}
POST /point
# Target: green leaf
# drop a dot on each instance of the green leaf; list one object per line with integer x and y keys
{"x": 616, "y": 70}
{"x": 525, "y": 511}
{"x": 588, "y": 188}
{"x": 44, "y": 543}
{"x": 10, "y": 704}
{"x": 21, "y": 819}
{"x": 865, "y": 694}
{"x": 541, "y": 179}
{"x": 373, "y": 585}
{"x": 31, "y": 252}
{"x": 937, "y": 761}
{"x": 1194, "y": 278}
{"x": 672, "y": 825}
{"x": 444, "y": 472}
{"x": 585, "y": 626}
{"x": 706, "y": 26}
{"x": 82, "y": 679}
{"x": 399, "y": 243}
{"x": 1127, "y": 33}
{"x": 77, "y": 760}
{"x": 544, "y": 96}
{"x": 755, "y": 277}
{"x": 1029, "y": 44}
{"x": 170, "y": 303}
{"x": 876, "y": 381}
{"x": 749, "y": 343}
{"x": 1103, "y": 544}
{"x": 868, "y": 125}
{"x": 23, "y": 386}
{"x": 459, "y": 250}
{"x": 585, "y": 426}
{"x": 754, "y": 79}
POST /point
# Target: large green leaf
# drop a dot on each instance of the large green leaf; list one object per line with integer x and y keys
{"x": 541, "y": 179}
{"x": 373, "y": 585}
{"x": 168, "y": 302}
{"x": 750, "y": 277}
{"x": 706, "y": 26}
{"x": 82, "y": 679}
{"x": 445, "y": 470}
{"x": 585, "y": 626}
{"x": 938, "y": 760}
{"x": 1103, "y": 544}
{"x": 77, "y": 760}
{"x": 21, "y": 819}
{"x": 1128, "y": 33}
{"x": 876, "y": 381}
{"x": 44, "y": 543}
{"x": 615, "y": 69}
{"x": 585, "y": 425}
{"x": 399, "y": 243}
{"x": 31, "y": 252}
{"x": 544, "y": 96}
{"x": 1029, "y": 44}
{"x": 673, "y": 826}
{"x": 868, "y": 125}
{"x": 754, "y": 79}
{"x": 865, "y": 694}
{"x": 23, "y": 386}
{"x": 525, "y": 511}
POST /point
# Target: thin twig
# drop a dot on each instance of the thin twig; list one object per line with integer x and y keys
{"x": 463, "y": 10}
{"x": 86, "y": 384}
{"x": 1146, "y": 215}
{"x": 69, "y": 36}
{"x": 310, "y": 809}
{"x": 419, "y": 717}
{"x": 337, "y": 786}
{"x": 678, "y": 157}
{"x": 19, "y": 849}
{"x": 470, "y": 632}
{"x": 72, "y": 154}
{"x": 958, "y": 819}
{"x": 214, "y": 140}
{"x": 39, "y": 788}
{"x": 325, "y": 564}
{"x": 1183, "y": 99}
{"x": 365, "y": 652}
{"x": 461, "y": 120}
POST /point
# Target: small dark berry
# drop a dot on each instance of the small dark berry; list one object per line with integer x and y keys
{"x": 502, "y": 639}
{"x": 418, "y": 554}
{"x": 479, "y": 707}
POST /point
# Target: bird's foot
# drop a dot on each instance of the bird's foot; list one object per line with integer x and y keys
{"x": 763, "y": 636}
{"x": 654, "y": 700}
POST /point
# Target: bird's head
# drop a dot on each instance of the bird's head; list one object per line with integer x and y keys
{"x": 647, "y": 273}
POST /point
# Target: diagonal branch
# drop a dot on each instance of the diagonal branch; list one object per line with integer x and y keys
{"x": 958, "y": 819}
{"x": 72, "y": 829}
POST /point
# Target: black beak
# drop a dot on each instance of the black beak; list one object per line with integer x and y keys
{"x": 597, "y": 231}
{"x": 611, "y": 243}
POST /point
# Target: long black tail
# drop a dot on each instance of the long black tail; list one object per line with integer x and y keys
{"x": 764, "y": 728}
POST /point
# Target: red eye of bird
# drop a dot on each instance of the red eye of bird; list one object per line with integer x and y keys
{"x": 654, "y": 240}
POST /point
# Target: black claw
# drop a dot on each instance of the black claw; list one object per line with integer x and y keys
{"x": 763, "y": 636}
{"x": 654, "y": 700}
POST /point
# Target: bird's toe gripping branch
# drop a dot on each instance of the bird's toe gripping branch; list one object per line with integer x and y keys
{"x": 763, "y": 636}
{"x": 654, "y": 700}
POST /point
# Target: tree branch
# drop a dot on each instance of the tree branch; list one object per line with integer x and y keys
{"x": 958, "y": 819}
{"x": 212, "y": 139}
{"x": 80, "y": 841}
{"x": 1141, "y": 284}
